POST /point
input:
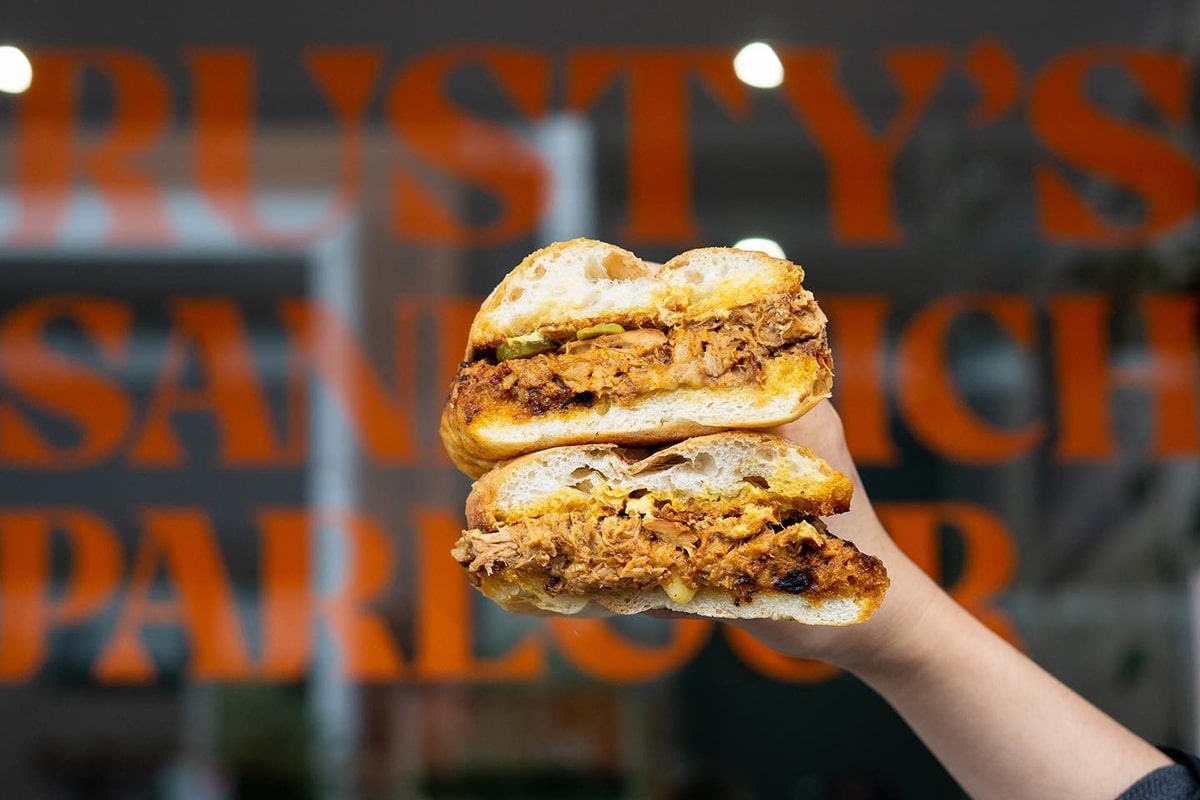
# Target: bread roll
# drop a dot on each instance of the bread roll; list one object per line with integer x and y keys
{"x": 725, "y": 525}
{"x": 716, "y": 338}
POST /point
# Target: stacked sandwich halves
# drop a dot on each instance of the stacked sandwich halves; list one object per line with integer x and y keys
{"x": 586, "y": 372}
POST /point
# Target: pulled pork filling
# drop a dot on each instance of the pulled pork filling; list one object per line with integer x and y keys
{"x": 580, "y": 552}
{"x": 720, "y": 352}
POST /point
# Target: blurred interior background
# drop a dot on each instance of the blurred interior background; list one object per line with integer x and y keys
{"x": 240, "y": 245}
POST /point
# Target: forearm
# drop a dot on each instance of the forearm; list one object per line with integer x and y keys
{"x": 1001, "y": 725}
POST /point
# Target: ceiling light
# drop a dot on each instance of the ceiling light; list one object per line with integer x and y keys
{"x": 757, "y": 65}
{"x": 768, "y": 246}
{"x": 16, "y": 73}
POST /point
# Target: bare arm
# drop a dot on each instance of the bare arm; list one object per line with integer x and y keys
{"x": 999, "y": 723}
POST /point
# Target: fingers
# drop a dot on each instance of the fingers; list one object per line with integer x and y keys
{"x": 821, "y": 431}
{"x": 821, "y": 423}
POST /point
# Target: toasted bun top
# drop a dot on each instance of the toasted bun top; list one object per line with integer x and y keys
{"x": 582, "y": 282}
{"x": 721, "y": 473}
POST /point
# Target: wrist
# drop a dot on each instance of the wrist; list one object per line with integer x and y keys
{"x": 903, "y": 632}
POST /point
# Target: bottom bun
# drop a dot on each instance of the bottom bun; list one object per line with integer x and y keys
{"x": 706, "y": 603}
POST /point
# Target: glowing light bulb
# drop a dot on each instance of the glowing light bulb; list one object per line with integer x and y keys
{"x": 16, "y": 73}
{"x": 768, "y": 246}
{"x": 757, "y": 64}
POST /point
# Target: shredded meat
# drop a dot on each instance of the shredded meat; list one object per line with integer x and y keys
{"x": 639, "y": 340}
{"x": 579, "y": 553}
{"x": 729, "y": 351}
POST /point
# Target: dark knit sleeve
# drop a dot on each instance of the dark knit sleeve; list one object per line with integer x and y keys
{"x": 1180, "y": 781}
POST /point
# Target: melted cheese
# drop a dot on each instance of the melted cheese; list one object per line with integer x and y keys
{"x": 678, "y": 591}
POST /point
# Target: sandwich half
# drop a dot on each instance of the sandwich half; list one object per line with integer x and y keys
{"x": 585, "y": 342}
{"x": 724, "y": 525}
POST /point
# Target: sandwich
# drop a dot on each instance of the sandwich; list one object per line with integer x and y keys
{"x": 584, "y": 342}
{"x": 722, "y": 525}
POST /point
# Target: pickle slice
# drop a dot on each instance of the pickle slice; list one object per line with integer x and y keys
{"x": 523, "y": 346}
{"x": 603, "y": 329}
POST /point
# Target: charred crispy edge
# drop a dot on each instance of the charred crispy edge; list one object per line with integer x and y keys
{"x": 485, "y": 348}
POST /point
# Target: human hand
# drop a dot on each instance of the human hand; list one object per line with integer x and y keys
{"x": 1002, "y": 726}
